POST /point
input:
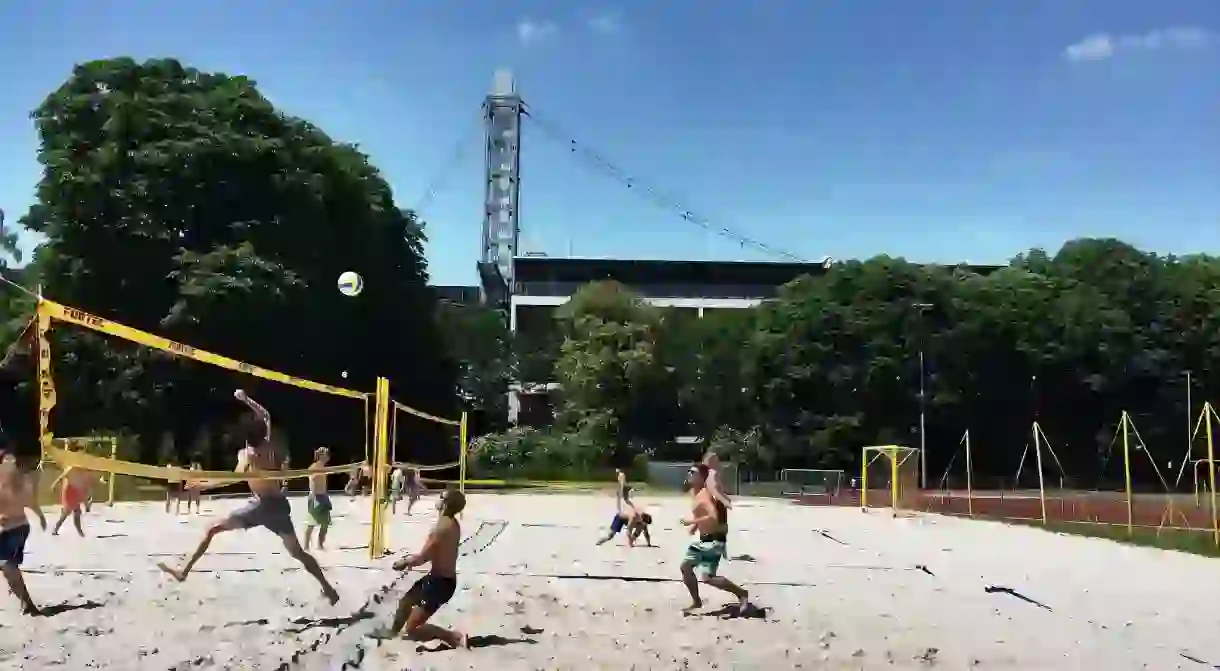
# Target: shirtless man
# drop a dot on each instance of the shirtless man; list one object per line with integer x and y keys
{"x": 414, "y": 487}
{"x": 175, "y": 489}
{"x": 710, "y": 519}
{"x": 434, "y": 590}
{"x": 269, "y": 509}
{"x": 318, "y": 505}
{"x": 17, "y": 493}
{"x": 76, "y": 483}
{"x": 194, "y": 490}
{"x": 715, "y": 486}
{"x": 631, "y": 519}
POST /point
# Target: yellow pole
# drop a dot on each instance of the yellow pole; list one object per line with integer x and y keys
{"x": 1038, "y": 460}
{"x": 367, "y": 448}
{"x": 462, "y": 439}
{"x": 1125, "y": 425}
{"x": 380, "y": 413}
{"x": 893, "y": 454}
{"x": 114, "y": 454}
{"x": 864, "y": 480}
{"x": 1211, "y": 471}
{"x": 969, "y": 476}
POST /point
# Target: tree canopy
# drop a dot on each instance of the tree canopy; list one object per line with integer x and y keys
{"x": 183, "y": 202}
{"x": 833, "y": 362}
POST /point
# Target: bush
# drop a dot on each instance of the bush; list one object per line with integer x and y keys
{"x": 548, "y": 454}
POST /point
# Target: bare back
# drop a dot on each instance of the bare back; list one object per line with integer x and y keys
{"x": 447, "y": 534}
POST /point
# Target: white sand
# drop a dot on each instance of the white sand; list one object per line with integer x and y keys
{"x": 860, "y": 605}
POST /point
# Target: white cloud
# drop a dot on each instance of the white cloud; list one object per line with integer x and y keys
{"x": 606, "y": 23}
{"x": 1102, "y": 46}
{"x": 530, "y": 31}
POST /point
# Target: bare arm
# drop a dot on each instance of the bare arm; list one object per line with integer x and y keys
{"x": 713, "y": 487}
{"x": 258, "y": 410}
{"x": 422, "y": 557}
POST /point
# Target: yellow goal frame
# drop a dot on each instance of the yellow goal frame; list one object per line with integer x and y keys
{"x": 896, "y": 455}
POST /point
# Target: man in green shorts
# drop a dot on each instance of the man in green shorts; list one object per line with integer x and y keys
{"x": 318, "y": 504}
{"x": 710, "y": 519}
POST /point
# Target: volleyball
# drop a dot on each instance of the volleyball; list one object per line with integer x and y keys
{"x": 350, "y": 284}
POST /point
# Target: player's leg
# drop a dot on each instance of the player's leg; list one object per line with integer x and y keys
{"x": 277, "y": 517}
{"x": 434, "y": 592}
{"x": 243, "y": 518}
{"x": 12, "y": 553}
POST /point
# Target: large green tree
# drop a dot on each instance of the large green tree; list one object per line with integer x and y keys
{"x": 184, "y": 202}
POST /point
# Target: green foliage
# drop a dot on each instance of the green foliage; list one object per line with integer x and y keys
{"x": 547, "y": 454}
{"x": 833, "y": 362}
{"x": 182, "y": 202}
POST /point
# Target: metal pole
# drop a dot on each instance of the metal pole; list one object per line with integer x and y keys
{"x": 923, "y": 443}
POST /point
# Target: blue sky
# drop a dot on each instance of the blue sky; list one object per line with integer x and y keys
{"x": 939, "y": 130}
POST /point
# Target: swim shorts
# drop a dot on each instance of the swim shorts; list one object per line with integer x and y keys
{"x": 71, "y": 497}
{"x": 617, "y": 524}
{"x": 318, "y": 506}
{"x": 432, "y": 591}
{"x": 705, "y": 556}
{"x": 270, "y": 511}
{"x": 12, "y": 545}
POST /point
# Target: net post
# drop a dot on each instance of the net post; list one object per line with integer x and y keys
{"x": 1037, "y": 431}
{"x": 1211, "y": 470}
{"x": 864, "y": 480}
{"x": 46, "y": 381}
{"x": 1125, "y": 426}
{"x": 892, "y": 452}
{"x": 114, "y": 454}
{"x": 462, "y": 438}
{"x": 969, "y": 476}
{"x": 380, "y": 426}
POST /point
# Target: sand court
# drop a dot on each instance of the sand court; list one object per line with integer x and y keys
{"x": 837, "y": 589}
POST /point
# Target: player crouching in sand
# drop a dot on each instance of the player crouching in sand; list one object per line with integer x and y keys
{"x": 630, "y": 518}
{"x": 434, "y": 590}
{"x": 17, "y": 493}
{"x": 710, "y": 519}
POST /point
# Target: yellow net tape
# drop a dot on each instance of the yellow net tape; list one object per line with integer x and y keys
{"x": 422, "y": 467}
{"x": 89, "y": 462}
{"x": 50, "y": 310}
{"x": 420, "y": 413}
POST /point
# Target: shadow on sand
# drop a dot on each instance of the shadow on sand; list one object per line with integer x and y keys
{"x": 59, "y": 608}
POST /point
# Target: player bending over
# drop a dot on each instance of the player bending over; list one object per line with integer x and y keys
{"x": 269, "y": 509}
{"x": 17, "y": 493}
{"x": 633, "y": 520}
{"x": 711, "y": 520}
{"x": 434, "y": 590}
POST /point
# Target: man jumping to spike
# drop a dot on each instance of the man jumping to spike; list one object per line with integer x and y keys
{"x": 434, "y": 590}
{"x": 269, "y": 509}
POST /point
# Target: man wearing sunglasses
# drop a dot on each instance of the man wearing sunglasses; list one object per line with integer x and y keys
{"x": 710, "y": 518}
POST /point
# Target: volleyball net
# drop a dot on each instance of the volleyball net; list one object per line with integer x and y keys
{"x": 188, "y": 361}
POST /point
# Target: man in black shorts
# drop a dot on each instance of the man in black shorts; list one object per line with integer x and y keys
{"x": 434, "y": 590}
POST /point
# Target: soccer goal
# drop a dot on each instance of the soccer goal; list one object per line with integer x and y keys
{"x": 811, "y": 482}
{"x": 889, "y": 477}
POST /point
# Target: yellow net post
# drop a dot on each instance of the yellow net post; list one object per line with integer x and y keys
{"x": 380, "y": 467}
{"x": 1211, "y": 470}
{"x": 462, "y": 437}
{"x": 1124, "y": 425}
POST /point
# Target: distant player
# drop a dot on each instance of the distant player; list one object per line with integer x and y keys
{"x": 434, "y": 590}
{"x": 414, "y": 488}
{"x": 17, "y": 493}
{"x": 318, "y": 505}
{"x": 175, "y": 490}
{"x": 74, "y": 485}
{"x": 715, "y": 485}
{"x": 269, "y": 509}
{"x": 398, "y": 481}
{"x": 193, "y": 490}
{"x": 710, "y": 519}
{"x": 633, "y": 520}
